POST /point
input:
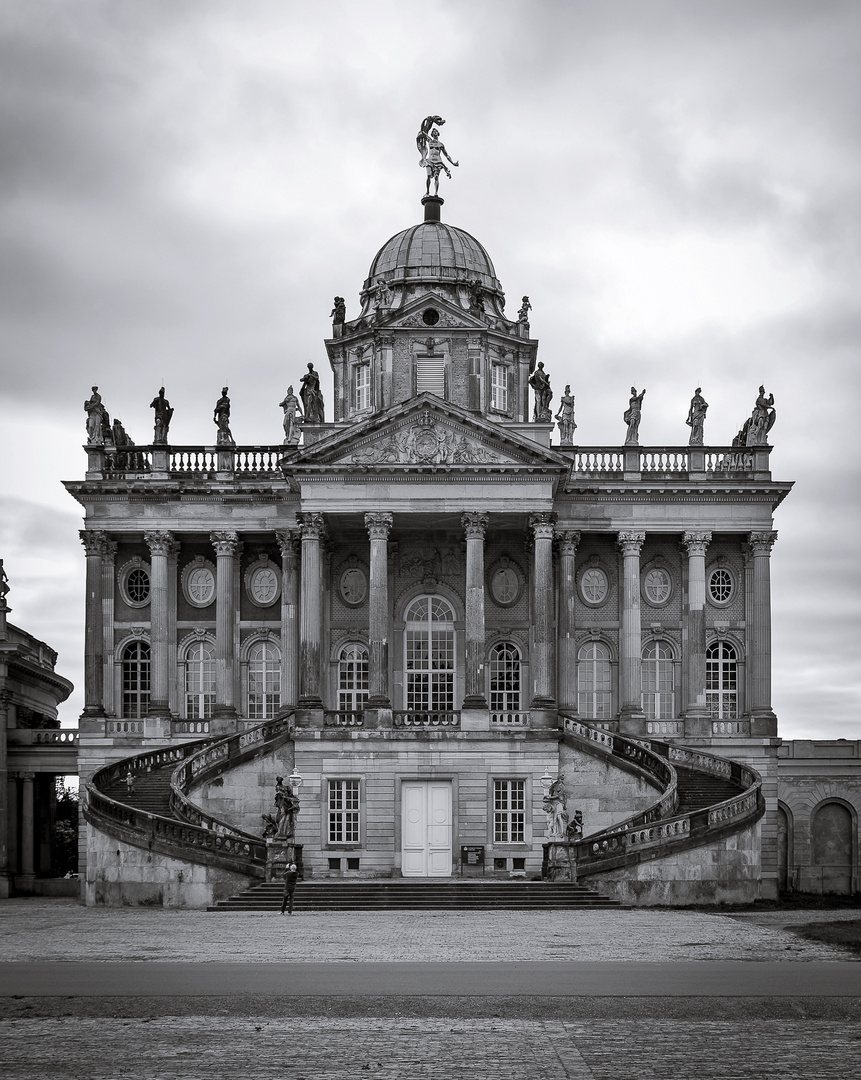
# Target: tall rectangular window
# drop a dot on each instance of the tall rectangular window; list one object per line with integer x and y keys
{"x": 499, "y": 387}
{"x": 509, "y": 811}
{"x": 343, "y": 811}
{"x": 430, "y": 375}
{"x": 362, "y": 387}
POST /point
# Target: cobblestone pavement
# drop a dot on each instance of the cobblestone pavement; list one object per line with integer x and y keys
{"x": 323, "y": 1048}
{"x": 63, "y": 930}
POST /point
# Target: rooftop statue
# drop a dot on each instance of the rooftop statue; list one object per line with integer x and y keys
{"x": 126, "y": 457}
{"x": 696, "y": 417}
{"x": 163, "y": 417}
{"x": 98, "y": 421}
{"x": 292, "y": 418}
{"x": 565, "y": 416}
{"x": 632, "y": 417}
{"x": 540, "y": 383}
{"x": 525, "y": 308}
{"x": 761, "y": 420}
{"x": 432, "y": 151}
{"x": 339, "y": 311}
{"x": 4, "y": 584}
{"x": 221, "y": 417}
{"x": 312, "y": 397}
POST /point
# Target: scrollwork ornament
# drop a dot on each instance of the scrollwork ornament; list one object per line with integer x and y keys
{"x": 696, "y": 543}
{"x": 474, "y": 524}
{"x": 761, "y": 543}
{"x": 311, "y": 526}
{"x": 379, "y": 525}
{"x": 631, "y": 543}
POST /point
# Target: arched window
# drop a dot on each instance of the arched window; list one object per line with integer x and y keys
{"x": 505, "y": 678}
{"x": 264, "y": 681}
{"x": 136, "y": 679}
{"x": 199, "y": 680}
{"x": 656, "y": 681}
{"x": 429, "y": 655}
{"x": 352, "y": 678}
{"x": 722, "y": 681}
{"x": 593, "y": 681}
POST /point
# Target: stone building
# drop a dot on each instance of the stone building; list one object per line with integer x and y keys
{"x": 33, "y": 753}
{"x": 429, "y": 611}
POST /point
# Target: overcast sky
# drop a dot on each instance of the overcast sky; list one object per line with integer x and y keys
{"x": 184, "y": 186}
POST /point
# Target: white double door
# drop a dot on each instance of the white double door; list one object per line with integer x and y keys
{"x": 426, "y": 828}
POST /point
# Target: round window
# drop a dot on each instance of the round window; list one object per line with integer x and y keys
{"x": 594, "y": 585}
{"x": 720, "y": 586}
{"x": 505, "y": 585}
{"x": 137, "y": 585}
{"x": 263, "y": 586}
{"x": 430, "y": 316}
{"x": 353, "y": 585}
{"x": 201, "y": 586}
{"x": 657, "y": 586}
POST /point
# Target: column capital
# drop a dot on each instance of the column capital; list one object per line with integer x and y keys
{"x": 695, "y": 543}
{"x": 311, "y": 526}
{"x": 378, "y": 525}
{"x": 543, "y": 525}
{"x": 569, "y": 541}
{"x": 474, "y": 524}
{"x": 226, "y": 543}
{"x": 96, "y": 543}
{"x": 26, "y": 774}
{"x": 631, "y": 543}
{"x": 288, "y": 542}
{"x": 761, "y": 543}
{"x": 161, "y": 543}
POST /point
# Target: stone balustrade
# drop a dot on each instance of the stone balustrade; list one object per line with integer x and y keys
{"x": 425, "y": 719}
{"x": 343, "y": 718}
{"x": 63, "y": 737}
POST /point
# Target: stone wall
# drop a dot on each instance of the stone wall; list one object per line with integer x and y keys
{"x": 119, "y": 875}
{"x": 726, "y": 871}
{"x": 242, "y": 795}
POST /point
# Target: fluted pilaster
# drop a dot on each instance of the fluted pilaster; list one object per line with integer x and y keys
{"x": 379, "y": 526}
{"x": 289, "y": 542}
{"x": 94, "y": 631}
{"x": 543, "y": 657}
{"x": 566, "y": 646}
{"x": 474, "y": 525}
{"x": 694, "y": 625}
{"x": 162, "y": 547}
{"x": 759, "y": 682}
{"x": 312, "y": 529}
{"x": 630, "y": 544}
{"x": 228, "y": 548}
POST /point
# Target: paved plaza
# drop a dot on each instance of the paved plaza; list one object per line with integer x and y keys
{"x": 145, "y": 993}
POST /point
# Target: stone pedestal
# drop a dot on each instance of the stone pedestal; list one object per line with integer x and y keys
{"x": 278, "y": 854}
{"x": 559, "y": 863}
{"x": 472, "y": 719}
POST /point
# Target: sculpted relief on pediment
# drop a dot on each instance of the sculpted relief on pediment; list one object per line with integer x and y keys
{"x": 426, "y": 442}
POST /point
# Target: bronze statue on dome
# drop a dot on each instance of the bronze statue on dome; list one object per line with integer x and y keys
{"x": 432, "y": 151}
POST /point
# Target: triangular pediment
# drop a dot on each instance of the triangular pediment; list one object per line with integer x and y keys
{"x": 412, "y": 316}
{"x": 428, "y": 432}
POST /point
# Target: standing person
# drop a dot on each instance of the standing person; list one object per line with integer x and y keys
{"x": 290, "y": 875}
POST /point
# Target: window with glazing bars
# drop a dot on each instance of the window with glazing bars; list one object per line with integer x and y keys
{"x": 657, "y": 679}
{"x": 509, "y": 811}
{"x": 353, "y": 678}
{"x": 344, "y": 812}
{"x": 429, "y": 652}
{"x": 199, "y": 681}
{"x": 593, "y": 681}
{"x": 362, "y": 387}
{"x": 264, "y": 681}
{"x": 722, "y": 681}
{"x": 499, "y": 387}
{"x": 136, "y": 679}
{"x": 505, "y": 678}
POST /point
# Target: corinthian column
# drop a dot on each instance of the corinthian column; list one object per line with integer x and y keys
{"x": 759, "y": 681}
{"x": 379, "y": 526}
{"x": 162, "y": 547}
{"x": 95, "y": 546}
{"x": 289, "y": 543}
{"x": 228, "y": 548}
{"x": 630, "y": 544}
{"x": 474, "y": 525}
{"x": 694, "y": 626}
{"x": 312, "y": 530}
{"x": 566, "y": 645}
{"x": 543, "y": 612}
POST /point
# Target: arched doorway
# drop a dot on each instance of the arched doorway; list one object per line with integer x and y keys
{"x": 831, "y": 848}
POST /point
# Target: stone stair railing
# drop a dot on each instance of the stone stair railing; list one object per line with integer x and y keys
{"x": 192, "y": 835}
{"x": 657, "y": 831}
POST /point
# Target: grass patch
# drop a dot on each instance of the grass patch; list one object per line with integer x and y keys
{"x": 846, "y": 933}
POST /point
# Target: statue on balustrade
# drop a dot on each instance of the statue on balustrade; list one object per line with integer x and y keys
{"x": 126, "y": 459}
{"x": 221, "y": 418}
{"x": 93, "y": 407}
{"x": 338, "y": 313}
{"x": 540, "y": 383}
{"x": 697, "y": 417}
{"x": 632, "y": 417}
{"x": 4, "y": 585}
{"x": 565, "y": 416}
{"x": 525, "y": 308}
{"x": 761, "y": 420}
{"x": 292, "y": 418}
{"x": 555, "y": 803}
{"x": 312, "y": 397}
{"x": 163, "y": 417}
{"x": 286, "y": 809}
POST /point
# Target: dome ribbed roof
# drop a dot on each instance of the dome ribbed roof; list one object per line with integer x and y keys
{"x": 433, "y": 249}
